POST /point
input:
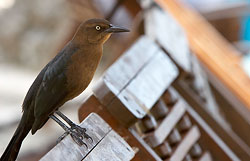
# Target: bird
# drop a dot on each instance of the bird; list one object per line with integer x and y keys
{"x": 66, "y": 76}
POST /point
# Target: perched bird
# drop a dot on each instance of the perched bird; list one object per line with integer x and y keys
{"x": 66, "y": 76}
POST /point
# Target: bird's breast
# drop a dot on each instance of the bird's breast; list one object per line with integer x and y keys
{"x": 80, "y": 72}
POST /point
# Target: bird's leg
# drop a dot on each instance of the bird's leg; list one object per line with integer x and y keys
{"x": 75, "y": 135}
{"x": 75, "y": 127}
{"x": 61, "y": 137}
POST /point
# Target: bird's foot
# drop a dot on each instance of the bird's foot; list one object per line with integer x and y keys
{"x": 82, "y": 131}
{"x": 77, "y": 137}
{"x": 77, "y": 133}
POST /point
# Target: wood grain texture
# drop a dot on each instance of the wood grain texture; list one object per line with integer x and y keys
{"x": 160, "y": 26}
{"x": 111, "y": 148}
{"x": 67, "y": 148}
{"x": 124, "y": 69}
{"x": 212, "y": 49}
{"x": 133, "y": 84}
{"x": 102, "y": 135}
{"x": 149, "y": 84}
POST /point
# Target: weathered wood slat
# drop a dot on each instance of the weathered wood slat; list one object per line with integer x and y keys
{"x": 144, "y": 74}
{"x": 67, "y": 148}
{"x": 160, "y": 134}
{"x": 145, "y": 147}
{"x": 98, "y": 129}
{"x": 227, "y": 135}
{"x": 160, "y": 26}
{"x": 191, "y": 137}
{"x": 128, "y": 65}
{"x": 215, "y": 145}
{"x": 147, "y": 87}
{"x": 111, "y": 148}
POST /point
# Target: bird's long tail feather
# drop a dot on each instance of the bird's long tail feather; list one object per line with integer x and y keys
{"x": 11, "y": 152}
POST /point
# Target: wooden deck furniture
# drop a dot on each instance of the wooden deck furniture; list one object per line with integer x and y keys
{"x": 221, "y": 62}
{"x": 152, "y": 116}
{"x": 212, "y": 50}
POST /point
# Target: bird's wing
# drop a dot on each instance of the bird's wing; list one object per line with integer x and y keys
{"x": 53, "y": 89}
{"x": 27, "y": 103}
{"x": 33, "y": 90}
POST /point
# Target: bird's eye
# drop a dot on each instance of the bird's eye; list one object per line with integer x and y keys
{"x": 98, "y": 28}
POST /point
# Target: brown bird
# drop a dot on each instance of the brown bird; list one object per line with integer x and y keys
{"x": 66, "y": 76}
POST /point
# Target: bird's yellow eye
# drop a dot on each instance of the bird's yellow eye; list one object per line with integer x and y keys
{"x": 98, "y": 28}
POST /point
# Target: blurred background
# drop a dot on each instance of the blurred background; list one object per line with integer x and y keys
{"x": 32, "y": 32}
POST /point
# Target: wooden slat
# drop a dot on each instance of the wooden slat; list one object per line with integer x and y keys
{"x": 238, "y": 146}
{"x": 160, "y": 134}
{"x": 160, "y": 26}
{"x": 111, "y": 148}
{"x": 206, "y": 157}
{"x": 147, "y": 87}
{"x": 212, "y": 49}
{"x": 210, "y": 139}
{"x": 191, "y": 137}
{"x": 133, "y": 84}
{"x": 145, "y": 146}
{"x": 124, "y": 69}
{"x": 67, "y": 149}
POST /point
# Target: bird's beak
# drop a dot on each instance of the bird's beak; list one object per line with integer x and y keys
{"x": 115, "y": 29}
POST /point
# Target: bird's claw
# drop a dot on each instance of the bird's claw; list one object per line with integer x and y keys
{"x": 79, "y": 129}
{"x": 82, "y": 131}
{"x": 77, "y": 138}
{"x": 85, "y": 135}
{"x": 77, "y": 133}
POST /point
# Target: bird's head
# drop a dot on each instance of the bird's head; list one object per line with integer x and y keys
{"x": 97, "y": 31}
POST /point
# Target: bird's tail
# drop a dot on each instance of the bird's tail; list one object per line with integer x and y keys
{"x": 11, "y": 152}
